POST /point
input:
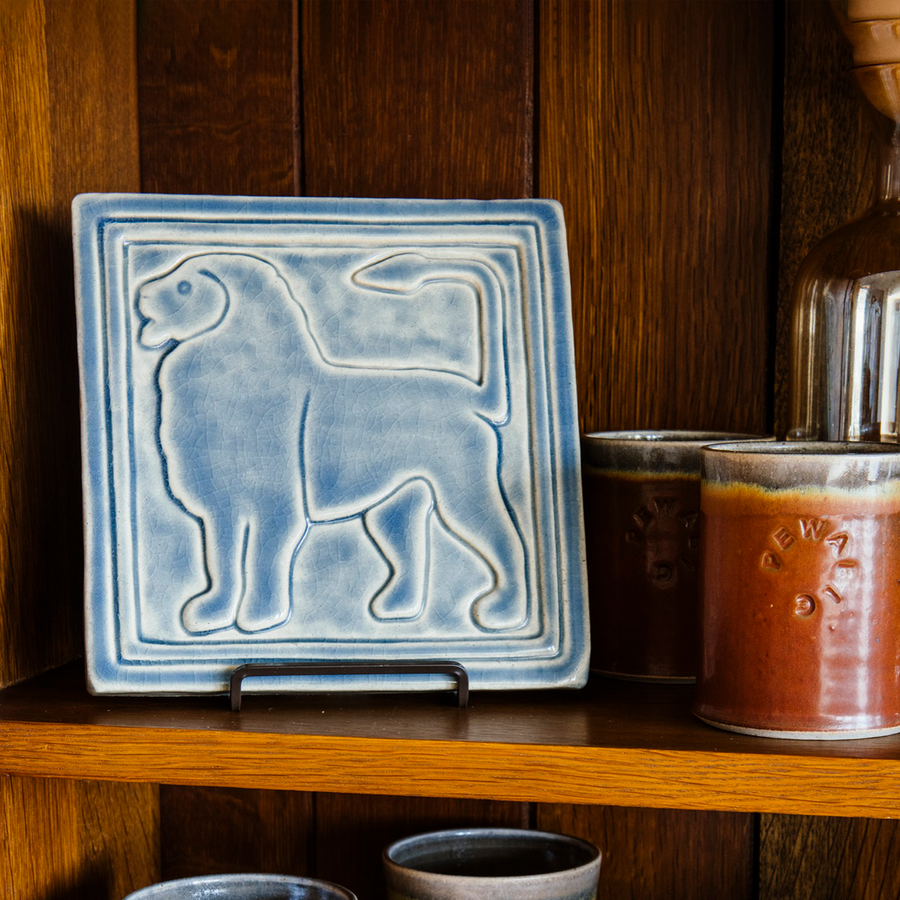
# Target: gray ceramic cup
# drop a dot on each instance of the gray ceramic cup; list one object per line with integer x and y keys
{"x": 491, "y": 864}
{"x": 243, "y": 887}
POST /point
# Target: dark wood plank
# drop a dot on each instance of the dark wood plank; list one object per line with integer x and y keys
{"x": 92, "y": 80}
{"x": 62, "y": 62}
{"x": 663, "y": 855}
{"x": 425, "y": 99}
{"x": 208, "y": 831}
{"x": 369, "y": 824}
{"x": 217, "y": 96}
{"x": 76, "y": 840}
{"x": 655, "y": 135}
{"x": 803, "y": 858}
{"x": 827, "y": 158}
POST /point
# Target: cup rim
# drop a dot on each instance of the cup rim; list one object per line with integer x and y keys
{"x": 201, "y": 881}
{"x": 594, "y": 853}
{"x": 658, "y": 436}
{"x": 807, "y": 449}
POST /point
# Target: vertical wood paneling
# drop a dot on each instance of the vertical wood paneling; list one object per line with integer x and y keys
{"x": 217, "y": 96}
{"x": 663, "y": 854}
{"x": 425, "y": 99}
{"x": 68, "y": 108}
{"x": 655, "y": 135}
{"x": 806, "y": 858}
{"x": 76, "y": 840}
{"x": 353, "y": 830}
{"x": 63, "y": 62}
{"x": 828, "y": 155}
{"x": 654, "y": 132}
{"x": 208, "y": 831}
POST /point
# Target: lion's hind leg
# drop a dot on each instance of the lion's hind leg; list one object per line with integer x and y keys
{"x": 399, "y": 528}
{"x": 476, "y": 512}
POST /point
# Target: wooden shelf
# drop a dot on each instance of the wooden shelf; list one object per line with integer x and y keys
{"x": 612, "y": 743}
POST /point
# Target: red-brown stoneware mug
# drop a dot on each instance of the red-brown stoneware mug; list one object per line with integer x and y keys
{"x": 801, "y": 589}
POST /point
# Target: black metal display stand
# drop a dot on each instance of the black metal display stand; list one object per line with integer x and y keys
{"x": 361, "y": 667}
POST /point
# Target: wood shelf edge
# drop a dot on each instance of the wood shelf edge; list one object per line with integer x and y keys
{"x": 642, "y": 777}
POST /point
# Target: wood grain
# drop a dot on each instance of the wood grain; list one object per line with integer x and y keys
{"x": 655, "y": 136}
{"x": 61, "y": 134}
{"x": 544, "y": 773}
{"x": 426, "y": 99}
{"x": 663, "y": 855}
{"x": 75, "y": 840}
{"x": 210, "y": 831}
{"x": 613, "y": 744}
{"x": 827, "y": 159}
{"x": 369, "y": 824}
{"x": 653, "y": 128}
{"x": 217, "y": 83}
{"x": 804, "y": 858}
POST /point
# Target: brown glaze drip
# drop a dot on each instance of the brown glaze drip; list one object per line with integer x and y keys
{"x": 801, "y": 620}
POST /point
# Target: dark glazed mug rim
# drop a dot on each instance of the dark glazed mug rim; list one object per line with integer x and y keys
{"x": 513, "y": 836}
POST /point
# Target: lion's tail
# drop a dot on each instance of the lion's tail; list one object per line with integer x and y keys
{"x": 407, "y": 273}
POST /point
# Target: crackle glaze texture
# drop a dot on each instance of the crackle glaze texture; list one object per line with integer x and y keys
{"x": 327, "y": 430}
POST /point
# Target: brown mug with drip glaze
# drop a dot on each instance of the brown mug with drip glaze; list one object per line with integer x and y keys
{"x": 642, "y": 529}
{"x": 801, "y": 589}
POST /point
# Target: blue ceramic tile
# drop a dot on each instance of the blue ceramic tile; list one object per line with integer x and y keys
{"x": 322, "y": 429}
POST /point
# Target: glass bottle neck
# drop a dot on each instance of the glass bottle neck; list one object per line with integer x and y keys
{"x": 887, "y": 183}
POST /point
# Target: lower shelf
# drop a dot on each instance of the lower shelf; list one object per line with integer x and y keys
{"x": 613, "y": 743}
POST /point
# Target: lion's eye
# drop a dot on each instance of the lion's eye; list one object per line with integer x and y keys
{"x": 185, "y": 287}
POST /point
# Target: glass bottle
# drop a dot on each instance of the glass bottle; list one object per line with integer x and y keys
{"x": 845, "y": 344}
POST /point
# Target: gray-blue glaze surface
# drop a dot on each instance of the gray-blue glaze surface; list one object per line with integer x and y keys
{"x": 243, "y": 887}
{"x": 327, "y": 429}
